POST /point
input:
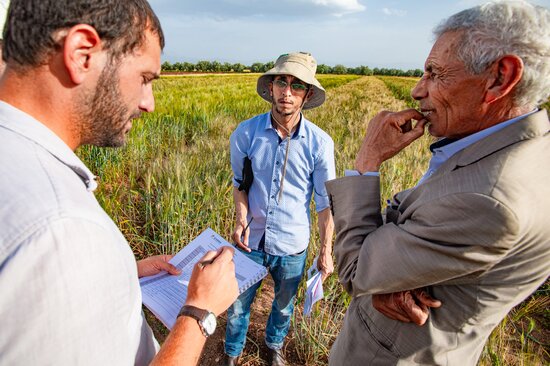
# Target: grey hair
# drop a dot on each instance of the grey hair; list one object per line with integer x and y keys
{"x": 501, "y": 28}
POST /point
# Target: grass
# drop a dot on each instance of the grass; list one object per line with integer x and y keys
{"x": 173, "y": 179}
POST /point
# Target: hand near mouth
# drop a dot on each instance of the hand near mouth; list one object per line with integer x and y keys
{"x": 387, "y": 134}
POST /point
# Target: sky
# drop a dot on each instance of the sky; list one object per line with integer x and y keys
{"x": 374, "y": 33}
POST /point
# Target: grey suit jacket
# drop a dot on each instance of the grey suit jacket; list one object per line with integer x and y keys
{"x": 476, "y": 234}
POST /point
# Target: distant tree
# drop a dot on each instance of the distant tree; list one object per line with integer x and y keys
{"x": 409, "y": 72}
{"x": 238, "y": 67}
{"x": 226, "y": 67}
{"x": 418, "y": 73}
{"x": 203, "y": 66}
{"x": 360, "y": 70}
{"x": 339, "y": 69}
{"x": 324, "y": 69}
{"x": 187, "y": 67}
{"x": 257, "y": 67}
{"x": 365, "y": 70}
{"x": 268, "y": 66}
{"x": 215, "y": 66}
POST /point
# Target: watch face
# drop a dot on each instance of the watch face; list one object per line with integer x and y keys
{"x": 209, "y": 323}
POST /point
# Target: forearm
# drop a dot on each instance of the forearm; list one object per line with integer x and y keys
{"x": 326, "y": 229}
{"x": 183, "y": 345}
{"x": 356, "y": 207}
{"x": 376, "y": 259}
{"x": 240, "y": 199}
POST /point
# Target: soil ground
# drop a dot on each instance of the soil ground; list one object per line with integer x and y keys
{"x": 255, "y": 351}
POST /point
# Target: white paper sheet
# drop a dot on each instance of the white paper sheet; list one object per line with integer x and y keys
{"x": 165, "y": 294}
{"x": 314, "y": 291}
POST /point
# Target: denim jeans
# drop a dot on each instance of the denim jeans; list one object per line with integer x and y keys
{"x": 286, "y": 272}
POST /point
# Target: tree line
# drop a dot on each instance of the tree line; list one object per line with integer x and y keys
{"x": 215, "y": 66}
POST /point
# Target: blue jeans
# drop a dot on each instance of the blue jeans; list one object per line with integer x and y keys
{"x": 286, "y": 272}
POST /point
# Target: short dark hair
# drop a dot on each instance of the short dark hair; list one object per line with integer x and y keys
{"x": 31, "y": 26}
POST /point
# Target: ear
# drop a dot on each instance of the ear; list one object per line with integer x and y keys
{"x": 506, "y": 73}
{"x": 80, "y": 50}
{"x": 271, "y": 88}
{"x": 310, "y": 94}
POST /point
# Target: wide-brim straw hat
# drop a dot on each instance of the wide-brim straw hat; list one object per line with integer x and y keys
{"x": 301, "y": 65}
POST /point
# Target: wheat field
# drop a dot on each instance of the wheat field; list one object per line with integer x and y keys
{"x": 173, "y": 179}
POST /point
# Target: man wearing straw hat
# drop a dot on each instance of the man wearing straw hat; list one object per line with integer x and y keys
{"x": 279, "y": 160}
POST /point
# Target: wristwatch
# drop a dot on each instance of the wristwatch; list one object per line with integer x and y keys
{"x": 205, "y": 318}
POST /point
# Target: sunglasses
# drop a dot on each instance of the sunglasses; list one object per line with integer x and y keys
{"x": 295, "y": 87}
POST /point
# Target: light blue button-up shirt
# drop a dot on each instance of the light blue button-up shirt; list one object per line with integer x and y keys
{"x": 286, "y": 223}
{"x": 442, "y": 150}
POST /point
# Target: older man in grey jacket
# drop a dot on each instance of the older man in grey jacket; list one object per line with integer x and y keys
{"x": 469, "y": 234}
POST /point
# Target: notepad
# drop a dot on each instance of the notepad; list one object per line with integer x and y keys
{"x": 165, "y": 294}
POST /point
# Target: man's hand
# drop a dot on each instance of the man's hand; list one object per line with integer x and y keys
{"x": 213, "y": 286}
{"x": 156, "y": 264}
{"x": 387, "y": 134}
{"x": 406, "y": 306}
{"x": 240, "y": 236}
{"x": 325, "y": 264}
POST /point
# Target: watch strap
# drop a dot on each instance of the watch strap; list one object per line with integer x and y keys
{"x": 196, "y": 313}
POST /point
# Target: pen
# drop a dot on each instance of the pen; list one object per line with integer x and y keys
{"x": 246, "y": 228}
{"x": 206, "y": 262}
{"x": 247, "y": 225}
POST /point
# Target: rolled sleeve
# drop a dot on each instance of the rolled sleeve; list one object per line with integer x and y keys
{"x": 238, "y": 143}
{"x": 324, "y": 171}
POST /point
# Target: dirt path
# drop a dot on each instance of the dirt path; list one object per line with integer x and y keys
{"x": 255, "y": 350}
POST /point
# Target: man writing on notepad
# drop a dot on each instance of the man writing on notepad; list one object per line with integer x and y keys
{"x": 78, "y": 72}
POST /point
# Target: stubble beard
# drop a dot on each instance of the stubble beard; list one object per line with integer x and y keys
{"x": 281, "y": 113}
{"x": 102, "y": 113}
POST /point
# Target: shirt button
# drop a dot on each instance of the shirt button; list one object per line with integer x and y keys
{"x": 268, "y": 228}
{"x": 274, "y": 180}
{"x": 277, "y": 163}
{"x": 271, "y": 212}
{"x": 272, "y": 196}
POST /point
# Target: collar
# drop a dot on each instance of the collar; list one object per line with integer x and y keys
{"x": 300, "y": 131}
{"x": 448, "y": 147}
{"x": 23, "y": 124}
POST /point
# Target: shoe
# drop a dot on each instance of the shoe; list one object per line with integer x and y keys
{"x": 275, "y": 357}
{"x": 230, "y": 360}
